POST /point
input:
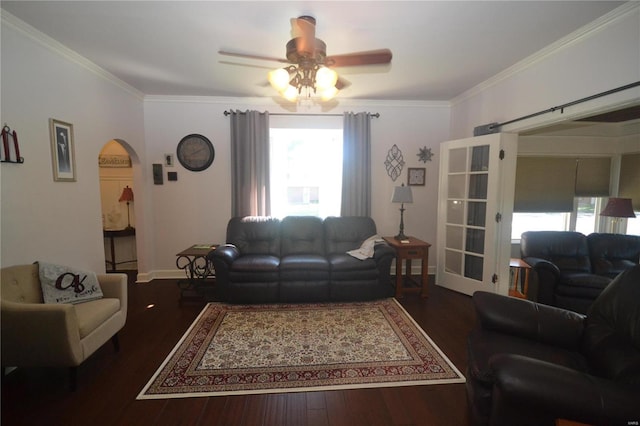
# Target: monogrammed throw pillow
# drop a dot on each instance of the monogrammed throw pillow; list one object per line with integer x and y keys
{"x": 62, "y": 284}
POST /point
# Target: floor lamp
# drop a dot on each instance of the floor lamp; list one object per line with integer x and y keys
{"x": 127, "y": 195}
{"x": 618, "y": 208}
{"x": 402, "y": 194}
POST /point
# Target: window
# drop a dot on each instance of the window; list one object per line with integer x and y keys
{"x": 306, "y": 172}
{"x": 581, "y": 219}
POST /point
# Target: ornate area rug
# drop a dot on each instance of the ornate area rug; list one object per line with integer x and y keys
{"x": 245, "y": 349}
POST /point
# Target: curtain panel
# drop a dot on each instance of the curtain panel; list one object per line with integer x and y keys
{"x": 356, "y": 165}
{"x": 250, "y": 163}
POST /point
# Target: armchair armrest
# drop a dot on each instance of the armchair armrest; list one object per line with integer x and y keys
{"x": 115, "y": 286}
{"x": 526, "y": 387}
{"x": 33, "y": 332}
{"x": 226, "y": 253}
{"x": 548, "y": 275}
{"x": 524, "y": 318}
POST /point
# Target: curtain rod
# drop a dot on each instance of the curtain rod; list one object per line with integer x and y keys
{"x": 372, "y": 114}
{"x": 495, "y": 127}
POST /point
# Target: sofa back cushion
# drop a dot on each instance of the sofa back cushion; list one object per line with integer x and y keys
{"x": 347, "y": 233}
{"x": 302, "y": 235}
{"x": 567, "y": 250}
{"x": 613, "y": 253}
{"x": 21, "y": 283}
{"x": 255, "y": 235}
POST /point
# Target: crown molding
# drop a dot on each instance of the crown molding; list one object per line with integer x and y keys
{"x": 561, "y": 44}
{"x": 63, "y": 51}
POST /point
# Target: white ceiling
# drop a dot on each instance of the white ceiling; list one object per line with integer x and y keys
{"x": 440, "y": 48}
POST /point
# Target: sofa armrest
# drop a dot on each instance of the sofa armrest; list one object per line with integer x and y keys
{"x": 526, "y": 387}
{"x": 40, "y": 334}
{"x": 548, "y": 275}
{"x": 382, "y": 251}
{"x": 226, "y": 253}
{"x": 524, "y": 318}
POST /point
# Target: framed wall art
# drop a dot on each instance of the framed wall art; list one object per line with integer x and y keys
{"x": 416, "y": 176}
{"x": 62, "y": 151}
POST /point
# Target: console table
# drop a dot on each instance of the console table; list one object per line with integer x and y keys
{"x": 406, "y": 250}
{"x": 200, "y": 274}
{"x": 111, "y": 234}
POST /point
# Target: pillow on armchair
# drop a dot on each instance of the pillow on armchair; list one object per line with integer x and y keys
{"x": 62, "y": 284}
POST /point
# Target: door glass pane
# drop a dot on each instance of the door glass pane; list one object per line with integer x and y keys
{"x": 456, "y": 186}
{"x": 454, "y": 237}
{"x": 477, "y": 214}
{"x": 455, "y": 212}
{"x": 453, "y": 262}
{"x": 475, "y": 240}
{"x": 478, "y": 186}
{"x": 458, "y": 160}
{"x": 473, "y": 267}
{"x": 480, "y": 158}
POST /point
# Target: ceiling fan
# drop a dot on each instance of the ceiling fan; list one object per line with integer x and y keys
{"x": 310, "y": 72}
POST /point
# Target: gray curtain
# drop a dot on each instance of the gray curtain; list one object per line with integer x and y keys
{"x": 356, "y": 165}
{"x": 250, "y": 163}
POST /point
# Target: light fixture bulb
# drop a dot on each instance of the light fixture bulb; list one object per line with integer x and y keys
{"x": 279, "y": 79}
{"x": 328, "y": 94}
{"x": 326, "y": 78}
{"x": 290, "y": 93}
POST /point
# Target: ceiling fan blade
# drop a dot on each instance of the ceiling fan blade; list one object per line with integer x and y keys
{"x": 370, "y": 57}
{"x": 252, "y": 56}
{"x": 246, "y": 65}
{"x": 342, "y": 83}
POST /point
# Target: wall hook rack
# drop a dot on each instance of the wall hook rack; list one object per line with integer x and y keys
{"x": 10, "y": 149}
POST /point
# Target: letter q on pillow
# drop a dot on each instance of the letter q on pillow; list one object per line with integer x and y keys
{"x": 62, "y": 284}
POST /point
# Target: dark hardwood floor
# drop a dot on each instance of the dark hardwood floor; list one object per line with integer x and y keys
{"x": 109, "y": 382}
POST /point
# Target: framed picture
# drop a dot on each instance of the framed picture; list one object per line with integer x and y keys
{"x": 416, "y": 176}
{"x": 63, "y": 155}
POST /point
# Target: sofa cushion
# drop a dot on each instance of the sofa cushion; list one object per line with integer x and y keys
{"x": 582, "y": 285}
{"x": 304, "y": 267}
{"x": 613, "y": 253}
{"x": 302, "y": 235}
{"x": 94, "y": 313}
{"x": 255, "y": 235}
{"x": 347, "y": 233}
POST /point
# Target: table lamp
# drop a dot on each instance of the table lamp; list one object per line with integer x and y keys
{"x": 618, "y": 208}
{"x": 127, "y": 195}
{"x": 402, "y": 194}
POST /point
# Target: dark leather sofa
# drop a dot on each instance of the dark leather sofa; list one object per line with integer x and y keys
{"x": 530, "y": 364}
{"x": 300, "y": 259}
{"x": 572, "y": 269}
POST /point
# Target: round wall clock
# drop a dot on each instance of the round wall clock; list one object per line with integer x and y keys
{"x": 195, "y": 152}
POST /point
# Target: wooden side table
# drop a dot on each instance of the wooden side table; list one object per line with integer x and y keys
{"x": 117, "y": 233}
{"x": 516, "y": 266}
{"x": 413, "y": 249}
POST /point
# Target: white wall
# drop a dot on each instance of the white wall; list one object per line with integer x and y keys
{"x": 197, "y": 207}
{"x": 603, "y": 56}
{"x": 42, "y": 219}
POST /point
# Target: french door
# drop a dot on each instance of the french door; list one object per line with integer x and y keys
{"x": 475, "y": 207}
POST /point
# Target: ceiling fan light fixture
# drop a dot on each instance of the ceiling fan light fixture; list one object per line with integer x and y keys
{"x": 329, "y": 93}
{"x": 279, "y": 79}
{"x": 290, "y": 93}
{"x": 326, "y": 78}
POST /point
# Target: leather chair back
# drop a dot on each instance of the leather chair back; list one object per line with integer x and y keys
{"x": 567, "y": 250}
{"x": 302, "y": 235}
{"x": 612, "y": 254}
{"x": 255, "y": 235}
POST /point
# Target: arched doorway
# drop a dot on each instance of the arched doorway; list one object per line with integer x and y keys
{"x": 117, "y": 197}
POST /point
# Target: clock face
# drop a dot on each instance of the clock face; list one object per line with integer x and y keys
{"x": 195, "y": 152}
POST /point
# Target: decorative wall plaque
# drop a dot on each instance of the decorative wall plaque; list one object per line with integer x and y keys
{"x": 394, "y": 162}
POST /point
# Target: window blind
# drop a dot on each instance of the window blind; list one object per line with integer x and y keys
{"x": 630, "y": 179}
{"x": 549, "y": 184}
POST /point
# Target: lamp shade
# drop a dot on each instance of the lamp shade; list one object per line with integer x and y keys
{"x": 402, "y": 194}
{"x": 127, "y": 194}
{"x": 618, "y": 207}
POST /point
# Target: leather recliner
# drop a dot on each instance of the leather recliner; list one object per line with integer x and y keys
{"x": 572, "y": 269}
{"x": 530, "y": 364}
{"x": 300, "y": 259}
